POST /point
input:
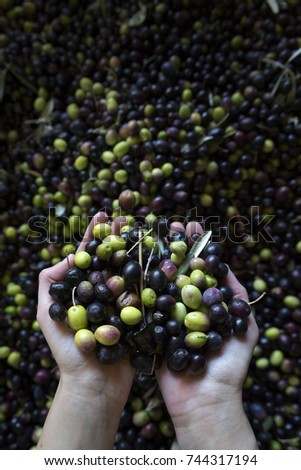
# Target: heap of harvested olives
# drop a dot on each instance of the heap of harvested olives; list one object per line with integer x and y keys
{"x": 151, "y": 294}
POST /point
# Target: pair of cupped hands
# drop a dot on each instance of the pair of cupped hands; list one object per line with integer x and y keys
{"x": 210, "y": 404}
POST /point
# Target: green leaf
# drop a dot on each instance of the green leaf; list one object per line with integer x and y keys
{"x": 59, "y": 210}
{"x": 98, "y": 5}
{"x": 195, "y": 251}
{"x": 274, "y": 5}
{"x": 47, "y": 111}
{"x": 153, "y": 404}
{"x": 22, "y": 79}
{"x": 294, "y": 55}
{"x": 160, "y": 247}
{"x": 138, "y": 18}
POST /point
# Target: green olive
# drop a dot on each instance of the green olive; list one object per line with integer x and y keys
{"x": 178, "y": 247}
{"x": 191, "y": 296}
{"x": 276, "y": 357}
{"x": 197, "y": 321}
{"x": 177, "y": 259}
{"x": 272, "y": 333}
{"x": 77, "y": 317}
{"x": 210, "y": 281}
{"x": 60, "y": 145}
{"x": 4, "y": 352}
{"x": 117, "y": 242}
{"x": 178, "y": 312}
{"x": 85, "y": 340}
{"x": 82, "y": 259}
{"x": 140, "y": 418}
{"x": 121, "y": 149}
{"x": 291, "y": 301}
{"x": 195, "y": 339}
{"x": 104, "y": 251}
{"x": 148, "y": 297}
{"x": 101, "y": 230}
{"x": 130, "y": 315}
{"x": 198, "y": 278}
{"x": 262, "y": 363}
{"x": 13, "y": 359}
{"x": 182, "y": 280}
{"x": 108, "y": 335}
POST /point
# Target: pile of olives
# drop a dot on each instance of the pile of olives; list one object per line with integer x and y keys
{"x": 162, "y": 107}
{"x": 150, "y": 294}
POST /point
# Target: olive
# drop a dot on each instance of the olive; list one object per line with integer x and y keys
{"x": 85, "y": 340}
{"x": 197, "y": 363}
{"x": 178, "y": 360}
{"x": 74, "y": 276}
{"x": 111, "y": 354}
{"x": 60, "y": 290}
{"x": 131, "y": 273}
{"x": 96, "y": 312}
{"x": 157, "y": 280}
{"x": 77, "y": 317}
{"x": 57, "y": 312}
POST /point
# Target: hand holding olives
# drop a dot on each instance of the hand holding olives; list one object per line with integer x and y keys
{"x": 161, "y": 300}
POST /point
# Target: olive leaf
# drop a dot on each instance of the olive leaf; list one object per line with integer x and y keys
{"x": 99, "y": 5}
{"x": 286, "y": 72}
{"x": 160, "y": 247}
{"x": 21, "y": 79}
{"x": 201, "y": 141}
{"x": 195, "y": 251}
{"x": 138, "y": 18}
{"x": 91, "y": 170}
{"x": 43, "y": 122}
{"x": 60, "y": 210}
{"x": 295, "y": 441}
{"x": 294, "y": 56}
{"x": 154, "y": 403}
{"x": 150, "y": 391}
{"x": 174, "y": 445}
{"x": 274, "y": 5}
{"x": 87, "y": 186}
{"x": 48, "y": 109}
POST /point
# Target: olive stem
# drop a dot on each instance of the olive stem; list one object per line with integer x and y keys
{"x": 73, "y": 297}
{"x": 68, "y": 262}
{"x": 150, "y": 392}
{"x": 140, "y": 238}
{"x": 148, "y": 262}
{"x": 153, "y": 364}
{"x": 258, "y": 298}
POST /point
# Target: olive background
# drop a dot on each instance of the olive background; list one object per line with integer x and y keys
{"x": 195, "y": 106}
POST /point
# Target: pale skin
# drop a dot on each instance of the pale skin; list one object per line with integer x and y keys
{"x": 206, "y": 411}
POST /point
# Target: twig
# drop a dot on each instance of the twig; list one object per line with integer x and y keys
{"x": 140, "y": 238}
{"x": 258, "y": 298}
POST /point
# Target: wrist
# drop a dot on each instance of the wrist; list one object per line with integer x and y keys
{"x": 82, "y": 392}
{"x": 79, "y": 418}
{"x": 221, "y": 425}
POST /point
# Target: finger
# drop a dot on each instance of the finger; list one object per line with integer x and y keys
{"x": 176, "y": 227}
{"x": 191, "y": 228}
{"x": 117, "y": 224}
{"x": 237, "y": 288}
{"x": 46, "y": 277}
{"x": 240, "y": 292}
{"x": 98, "y": 218}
